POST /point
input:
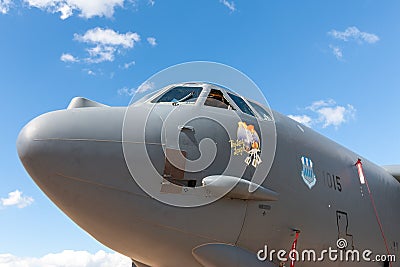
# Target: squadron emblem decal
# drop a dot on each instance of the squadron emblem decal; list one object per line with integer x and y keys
{"x": 308, "y": 172}
{"x": 248, "y": 142}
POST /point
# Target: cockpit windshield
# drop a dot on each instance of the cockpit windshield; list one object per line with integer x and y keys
{"x": 180, "y": 94}
{"x": 241, "y": 104}
{"x": 216, "y": 99}
{"x": 261, "y": 111}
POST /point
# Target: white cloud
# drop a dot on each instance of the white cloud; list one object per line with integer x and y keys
{"x": 351, "y": 34}
{"x": 321, "y": 103}
{"x": 126, "y": 91}
{"x": 66, "y": 11}
{"x": 107, "y": 42}
{"x": 152, "y": 41}
{"x": 303, "y": 119}
{"x": 337, "y": 51}
{"x": 90, "y": 72}
{"x": 326, "y": 113}
{"x": 230, "y": 5}
{"x": 16, "y": 198}
{"x": 331, "y": 114}
{"x": 108, "y": 37}
{"x": 128, "y": 65}
{"x": 68, "y": 258}
{"x": 354, "y": 34}
{"x": 152, "y": 2}
{"x": 100, "y": 54}
{"x": 146, "y": 86}
{"x": 86, "y": 9}
{"x": 5, "y": 6}
{"x": 68, "y": 58}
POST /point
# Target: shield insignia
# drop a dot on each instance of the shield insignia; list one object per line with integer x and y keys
{"x": 307, "y": 173}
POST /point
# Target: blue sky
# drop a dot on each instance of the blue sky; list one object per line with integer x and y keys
{"x": 332, "y": 64}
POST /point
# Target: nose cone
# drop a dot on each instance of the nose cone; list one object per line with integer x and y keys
{"x": 76, "y": 158}
{"x": 29, "y": 146}
{"x": 41, "y": 150}
{"x": 81, "y": 144}
{"x": 63, "y": 151}
{"x": 23, "y": 141}
{"x": 38, "y": 143}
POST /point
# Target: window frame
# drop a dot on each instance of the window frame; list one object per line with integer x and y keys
{"x": 245, "y": 100}
{"x": 266, "y": 110}
{"x": 224, "y": 95}
{"x": 155, "y": 99}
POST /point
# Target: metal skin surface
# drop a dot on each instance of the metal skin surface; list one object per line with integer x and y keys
{"x": 76, "y": 157}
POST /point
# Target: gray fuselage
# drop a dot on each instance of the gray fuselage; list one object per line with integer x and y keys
{"x": 76, "y": 156}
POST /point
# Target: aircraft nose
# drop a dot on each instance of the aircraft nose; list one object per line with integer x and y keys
{"x": 32, "y": 149}
{"x": 27, "y": 147}
{"x": 82, "y": 145}
{"x": 23, "y": 141}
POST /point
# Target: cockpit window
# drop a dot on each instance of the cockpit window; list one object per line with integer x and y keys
{"x": 241, "y": 104}
{"x": 261, "y": 111}
{"x": 216, "y": 99}
{"x": 180, "y": 94}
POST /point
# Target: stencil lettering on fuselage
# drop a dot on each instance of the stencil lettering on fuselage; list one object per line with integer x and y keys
{"x": 342, "y": 221}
